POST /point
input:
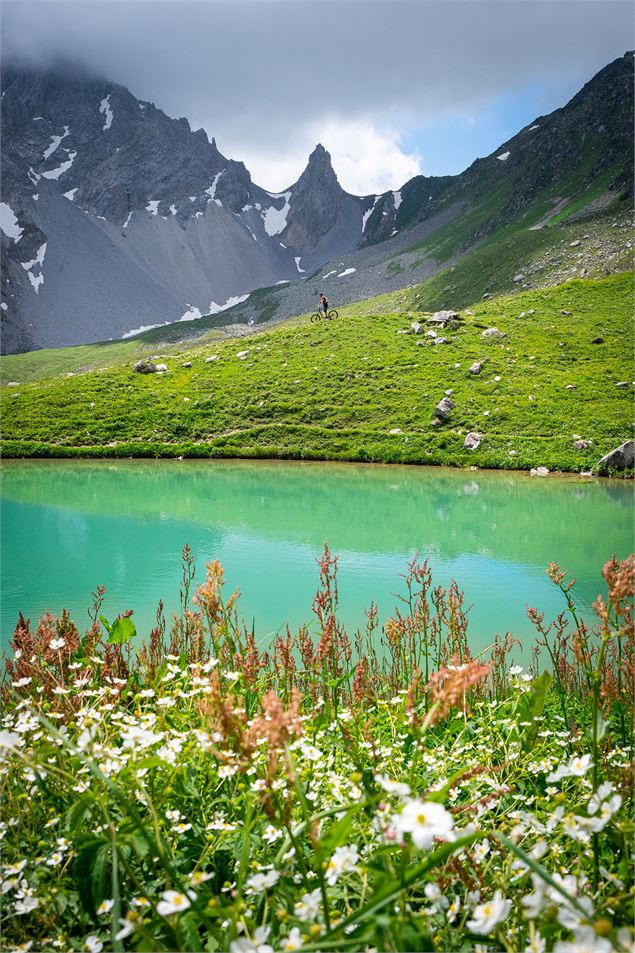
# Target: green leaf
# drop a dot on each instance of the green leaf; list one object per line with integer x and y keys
{"x": 89, "y": 871}
{"x": 122, "y": 630}
{"x": 529, "y": 708}
{"x": 338, "y": 833}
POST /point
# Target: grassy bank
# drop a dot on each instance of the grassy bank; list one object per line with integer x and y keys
{"x": 334, "y": 792}
{"x": 360, "y": 388}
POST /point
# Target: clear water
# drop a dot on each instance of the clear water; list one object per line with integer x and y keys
{"x": 70, "y": 526}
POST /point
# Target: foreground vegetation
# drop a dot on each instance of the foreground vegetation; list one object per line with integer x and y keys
{"x": 363, "y": 388}
{"x": 195, "y": 792}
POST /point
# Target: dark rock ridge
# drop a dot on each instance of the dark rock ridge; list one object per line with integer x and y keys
{"x": 117, "y": 218}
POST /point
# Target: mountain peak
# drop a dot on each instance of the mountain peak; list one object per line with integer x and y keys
{"x": 320, "y": 157}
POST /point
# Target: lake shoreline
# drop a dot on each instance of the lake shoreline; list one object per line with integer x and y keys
{"x": 106, "y": 454}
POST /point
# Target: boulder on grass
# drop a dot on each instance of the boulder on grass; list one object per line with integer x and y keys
{"x": 582, "y": 444}
{"x": 476, "y": 367}
{"x": 622, "y": 458}
{"x": 444, "y": 408}
{"x": 472, "y": 441}
{"x": 145, "y": 367}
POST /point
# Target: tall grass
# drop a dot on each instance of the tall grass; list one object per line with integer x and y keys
{"x": 367, "y": 790}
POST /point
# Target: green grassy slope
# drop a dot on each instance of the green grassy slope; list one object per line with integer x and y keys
{"x": 336, "y": 390}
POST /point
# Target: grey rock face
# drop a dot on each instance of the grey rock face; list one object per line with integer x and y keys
{"x": 622, "y": 458}
{"x": 145, "y": 367}
{"x": 444, "y": 408}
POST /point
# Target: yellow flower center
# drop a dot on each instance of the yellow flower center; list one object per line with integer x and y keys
{"x": 421, "y": 818}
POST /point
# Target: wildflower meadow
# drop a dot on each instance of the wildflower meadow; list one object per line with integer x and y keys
{"x": 381, "y": 790}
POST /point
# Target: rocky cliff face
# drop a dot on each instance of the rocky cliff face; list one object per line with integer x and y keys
{"x": 116, "y": 217}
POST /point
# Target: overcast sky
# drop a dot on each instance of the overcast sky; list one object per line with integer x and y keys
{"x": 390, "y": 88}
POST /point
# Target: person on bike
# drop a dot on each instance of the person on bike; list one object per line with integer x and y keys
{"x": 324, "y": 305}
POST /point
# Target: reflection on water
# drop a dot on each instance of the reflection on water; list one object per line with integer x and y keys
{"x": 69, "y": 526}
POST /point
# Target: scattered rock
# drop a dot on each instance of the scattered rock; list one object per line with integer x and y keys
{"x": 620, "y": 458}
{"x": 440, "y": 341}
{"x": 619, "y": 384}
{"x": 444, "y": 408}
{"x": 468, "y": 311}
{"x": 476, "y": 367}
{"x": 430, "y": 334}
{"x": 214, "y": 357}
{"x": 186, "y": 364}
{"x": 403, "y": 331}
{"x": 522, "y": 314}
{"x": 574, "y": 244}
{"x": 582, "y": 444}
{"x": 448, "y": 392}
{"x": 486, "y": 295}
{"x": 161, "y": 368}
{"x": 416, "y": 327}
{"x": 242, "y": 355}
{"x": 472, "y": 441}
{"x": 531, "y": 311}
{"x": 513, "y": 453}
{"x": 497, "y": 378}
{"x": 13, "y": 384}
{"x": 145, "y": 367}
{"x": 493, "y": 333}
{"x": 395, "y": 431}
{"x": 539, "y": 471}
{"x": 570, "y": 387}
{"x": 519, "y": 277}
{"x": 486, "y": 413}
{"x": 597, "y": 341}
{"x": 442, "y": 317}
{"x": 567, "y": 313}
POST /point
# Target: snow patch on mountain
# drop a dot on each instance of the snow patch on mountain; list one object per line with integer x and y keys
{"x": 104, "y": 108}
{"x": 368, "y": 214}
{"x": 504, "y": 156}
{"x": 36, "y": 264}
{"x": 144, "y": 327}
{"x": 9, "y": 222}
{"x": 211, "y": 191}
{"x": 70, "y": 195}
{"x": 192, "y": 314}
{"x": 237, "y": 299}
{"x": 153, "y": 207}
{"x": 54, "y": 143}
{"x": 275, "y": 219}
{"x": 61, "y": 169}
{"x": 297, "y": 261}
{"x": 347, "y": 271}
{"x": 396, "y": 199}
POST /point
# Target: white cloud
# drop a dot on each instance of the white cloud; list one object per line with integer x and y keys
{"x": 367, "y": 159}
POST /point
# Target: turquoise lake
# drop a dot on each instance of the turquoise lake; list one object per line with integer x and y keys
{"x": 68, "y": 527}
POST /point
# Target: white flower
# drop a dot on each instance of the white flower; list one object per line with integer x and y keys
{"x": 454, "y": 909}
{"x": 174, "y": 902}
{"x": 308, "y": 907}
{"x": 199, "y": 877}
{"x": 25, "y": 905}
{"x": 424, "y": 820}
{"x": 271, "y": 834}
{"x": 57, "y": 644}
{"x": 392, "y": 787}
{"x": 129, "y": 924}
{"x": 293, "y": 941}
{"x": 344, "y": 860}
{"x": 481, "y": 850}
{"x": 577, "y": 767}
{"x": 489, "y": 915}
{"x": 258, "y": 883}
{"x": 93, "y": 944}
{"x": 515, "y": 670}
{"x": 257, "y": 945}
{"x": 105, "y": 906}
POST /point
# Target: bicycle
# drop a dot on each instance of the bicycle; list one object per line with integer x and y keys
{"x": 320, "y": 316}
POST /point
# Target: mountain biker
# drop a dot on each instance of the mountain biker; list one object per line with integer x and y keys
{"x": 324, "y": 305}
